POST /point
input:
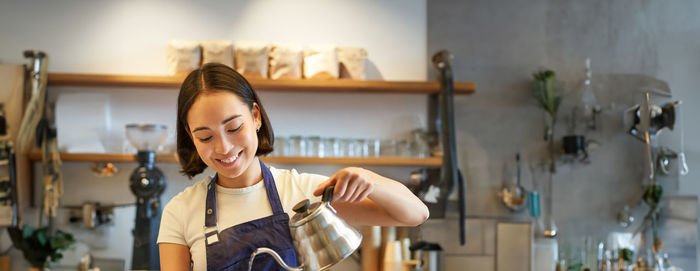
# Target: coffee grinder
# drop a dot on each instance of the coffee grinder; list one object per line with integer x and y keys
{"x": 147, "y": 183}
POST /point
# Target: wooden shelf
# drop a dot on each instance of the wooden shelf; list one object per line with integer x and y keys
{"x": 103, "y": 157}
{"x": 364, "y": 161}
{"x": 330, "y": 86}
{"x": 171, "y": 158}
{"x": 104, "y": 80}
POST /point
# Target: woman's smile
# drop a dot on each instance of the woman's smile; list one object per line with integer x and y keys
{"x": 229, "y": 162}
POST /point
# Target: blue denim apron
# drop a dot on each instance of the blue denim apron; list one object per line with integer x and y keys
{"x": 231, "y": 248}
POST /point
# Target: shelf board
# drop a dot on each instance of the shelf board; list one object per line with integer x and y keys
{"x": 102, "y": 157}
{"x": 364, "y": 161}
{"x": 173, "y": 82}
{"x": 171, "y": 158}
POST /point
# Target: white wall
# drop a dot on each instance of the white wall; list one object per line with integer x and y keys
{"x": 130, "y": 37}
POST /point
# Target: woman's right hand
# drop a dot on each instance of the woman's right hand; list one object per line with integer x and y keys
{"x": 351, "y": 185}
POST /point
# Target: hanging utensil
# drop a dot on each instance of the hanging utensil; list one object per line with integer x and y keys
{"x": 645, "y": 125}
{"x": 514, "y": 196}
{"x": 36, "y": 92}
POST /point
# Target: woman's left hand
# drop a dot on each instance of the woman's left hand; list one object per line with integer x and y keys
{"x": 351, "y": 185}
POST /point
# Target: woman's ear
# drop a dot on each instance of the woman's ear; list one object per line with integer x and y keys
{"x": 256, "y": 115}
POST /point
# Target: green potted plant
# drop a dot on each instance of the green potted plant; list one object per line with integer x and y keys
{"x": 38, "y": 247}
{"x": 547, "y": 92}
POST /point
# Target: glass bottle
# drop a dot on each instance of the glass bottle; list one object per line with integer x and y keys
{"x": 588, "y": 108}
{"x": 543, "y": 182}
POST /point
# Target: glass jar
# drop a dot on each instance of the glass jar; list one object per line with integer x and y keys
{"x": 403, "y": 148}
{"x": 419, "y": 145}
{"x": 280, "y": 147}
{"x": 542, "y": 178}
{"x": 354, "y": 148}
{"x": 388, "y": 147}
{"x": 363, "y": 147}
{"x": 341, "y": 147}
{"x": 312, "y": 146}
{"x": 296, "y": 145}
{"x": 374, "y": 147}
{"x": 326, "y": 149}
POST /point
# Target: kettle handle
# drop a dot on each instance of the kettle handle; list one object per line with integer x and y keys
{"x": 275, "y": 256}
{"x": 328, "y": 194}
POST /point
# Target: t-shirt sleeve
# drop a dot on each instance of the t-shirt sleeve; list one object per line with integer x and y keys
{"x": 308, "y": 182}
{"x": 172, "y": 229}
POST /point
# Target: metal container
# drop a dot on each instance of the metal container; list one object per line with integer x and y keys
{"x": 321, "y": 238}
{"x": 430, "y": 255}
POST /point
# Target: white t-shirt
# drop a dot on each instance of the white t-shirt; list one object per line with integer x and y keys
{"x": 183, "y": 216}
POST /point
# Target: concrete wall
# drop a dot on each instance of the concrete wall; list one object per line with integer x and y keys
{"x": 499, "y": 44}
{"x": 130, "y": 37}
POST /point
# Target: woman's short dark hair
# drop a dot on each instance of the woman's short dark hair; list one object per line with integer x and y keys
{"x": 212, "y": 77}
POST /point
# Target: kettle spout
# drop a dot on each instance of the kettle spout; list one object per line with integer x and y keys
{"x": 274, "y": 255}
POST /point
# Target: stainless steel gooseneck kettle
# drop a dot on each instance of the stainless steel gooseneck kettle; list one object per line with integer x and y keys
{"x": 321, "y": 238}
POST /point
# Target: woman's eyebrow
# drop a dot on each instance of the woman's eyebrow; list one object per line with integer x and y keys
{"x": 223, "y": 122}
{"x": 230, "y": 119}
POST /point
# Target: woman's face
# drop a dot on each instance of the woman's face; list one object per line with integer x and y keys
{"x": 223, "y": 130}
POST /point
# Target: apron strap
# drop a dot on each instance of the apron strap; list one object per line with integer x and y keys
{"x": 210, "y": 214}
{"x": 271, "y": 189}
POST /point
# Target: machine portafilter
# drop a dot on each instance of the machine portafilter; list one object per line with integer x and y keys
{"x": 147, "y": 183}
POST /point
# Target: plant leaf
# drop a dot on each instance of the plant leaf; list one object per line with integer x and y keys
{"x": 546, "y": 91}
{"x": 27, "y": 231}
{"x": 41, "y": 237}
{"x": 56, "y": 257}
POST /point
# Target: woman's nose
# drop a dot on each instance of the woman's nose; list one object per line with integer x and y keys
{"x": 223, "y": 146}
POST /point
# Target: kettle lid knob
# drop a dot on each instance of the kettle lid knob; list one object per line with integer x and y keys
{"x": 302, "y": 206}
{"x": 328, "y": 194}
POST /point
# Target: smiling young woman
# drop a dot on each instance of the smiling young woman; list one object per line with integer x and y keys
{"x": 219, "y": 221}
{"x": 224, "y": 132}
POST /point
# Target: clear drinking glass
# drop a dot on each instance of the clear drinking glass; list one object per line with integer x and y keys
{"x": 388, "y": 147}
{"x": 403, "y": 148}
{"x": 354, "y": 148}
{"x": 341, "y": 147}
{"x": 374, "y": 147}
{"x": 419, "y": 145}
{"x": 280, "y": 146}
{"x": 312, "y": 146}
{"x": 296, "y": 146}
{"x": 325, "y": 149}
{"x": 363, "y": 147}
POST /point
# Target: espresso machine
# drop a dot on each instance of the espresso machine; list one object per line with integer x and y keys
{"x": 147, "y": 183}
